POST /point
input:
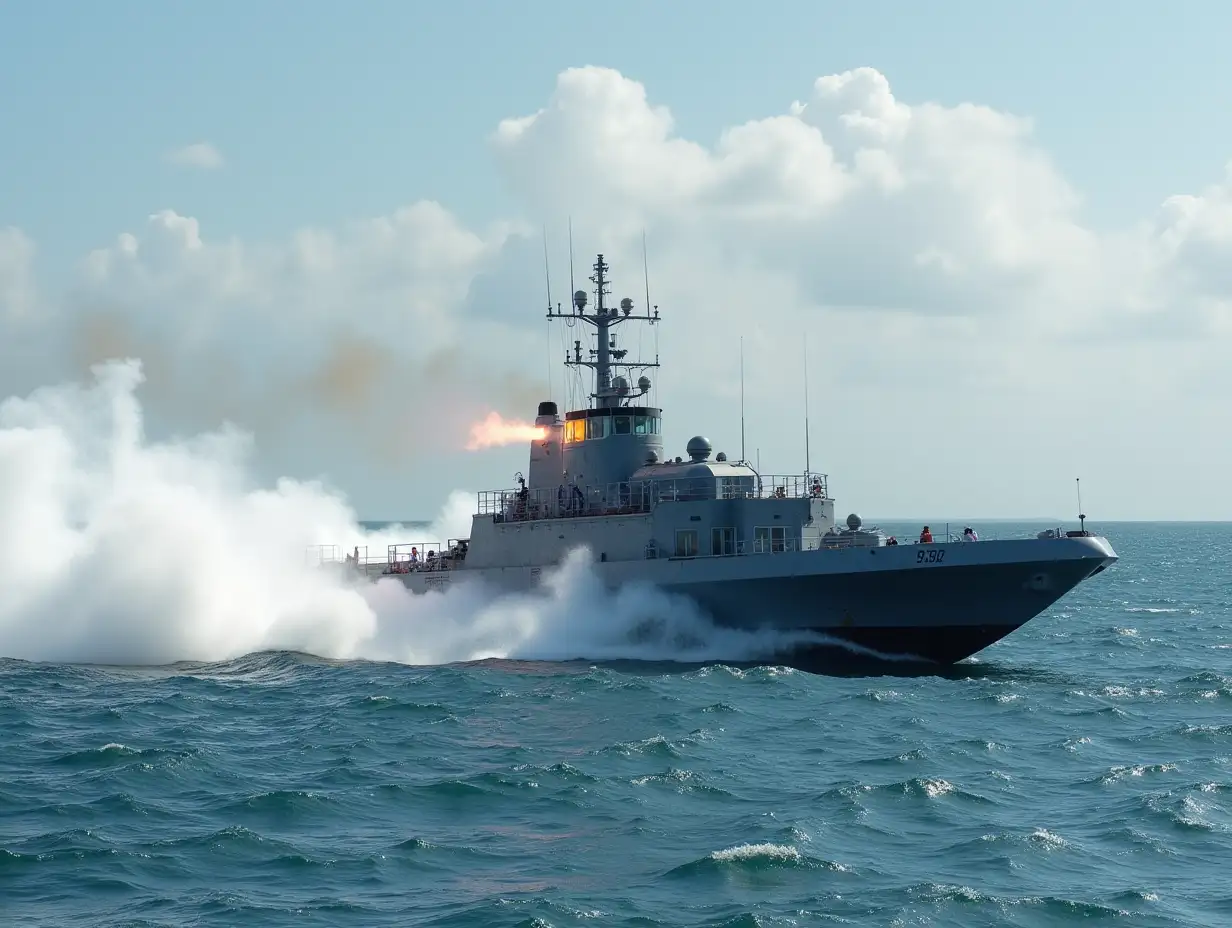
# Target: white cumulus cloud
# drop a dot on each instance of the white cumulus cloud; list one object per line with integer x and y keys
{"x": 862, "y": 200}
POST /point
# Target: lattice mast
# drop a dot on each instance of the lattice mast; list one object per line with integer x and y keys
{"x": 610, "y": 389}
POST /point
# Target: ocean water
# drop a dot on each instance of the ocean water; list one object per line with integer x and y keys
{"x": 1079, "y": 771}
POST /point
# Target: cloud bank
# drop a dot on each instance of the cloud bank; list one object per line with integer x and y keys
{"x": 975, "y": 342}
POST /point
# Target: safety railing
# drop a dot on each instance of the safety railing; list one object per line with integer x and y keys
{"x": 1002, "y": 532}
{"x": 398, "y": 559}
{"x": 358, "y": 558}
{"x": 640, "y": 496}
{"x": 526, "y": 505}
{"x": 322, "y": 554}
{"x": 941, "y": 535}
{"x": 411, "y": 557}
{"x": 787, "y": 486}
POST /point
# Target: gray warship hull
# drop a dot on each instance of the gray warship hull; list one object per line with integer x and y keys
{"x": 936, "y": 603}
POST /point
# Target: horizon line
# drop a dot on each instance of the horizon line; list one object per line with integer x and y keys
{"x": 1043, "y": 520}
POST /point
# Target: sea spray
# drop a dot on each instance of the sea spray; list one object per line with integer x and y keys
{"x": 118, "y": 549}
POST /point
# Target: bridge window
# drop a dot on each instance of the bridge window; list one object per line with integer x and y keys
{"x": 686, "y": 543}
{"x": 769, "y": 538}
{"x": 603, "y": 426}
{"x": 722, "y": 541}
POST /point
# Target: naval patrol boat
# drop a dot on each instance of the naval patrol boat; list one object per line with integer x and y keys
{"x": 754, "y": 550}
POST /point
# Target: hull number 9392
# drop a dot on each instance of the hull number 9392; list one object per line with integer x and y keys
{"x": 930, "y": 556}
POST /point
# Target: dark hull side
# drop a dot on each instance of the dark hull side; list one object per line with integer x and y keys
{"x": 936, "y": 616}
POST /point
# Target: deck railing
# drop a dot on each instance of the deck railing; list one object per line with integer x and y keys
{"x": 322, "y": 554}
{"x": 425, "y": 555}
{"x": 641, "y": 496}
{"x": 413, "y": 557}
{"x": 398, "y": 559}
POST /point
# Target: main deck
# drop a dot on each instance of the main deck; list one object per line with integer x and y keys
{"x": 512, "y": 507}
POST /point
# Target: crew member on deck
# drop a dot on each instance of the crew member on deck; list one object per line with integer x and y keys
{"x": 926, "y": 537}
{"x": 969, "y": 534}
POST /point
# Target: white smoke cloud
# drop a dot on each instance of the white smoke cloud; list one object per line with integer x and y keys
{"x": 117, "y": 549}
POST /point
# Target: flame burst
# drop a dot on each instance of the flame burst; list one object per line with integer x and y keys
{"x": 494, "y": 431}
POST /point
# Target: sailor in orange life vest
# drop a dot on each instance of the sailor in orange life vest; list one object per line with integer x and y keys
{"x": 926, "y": 537}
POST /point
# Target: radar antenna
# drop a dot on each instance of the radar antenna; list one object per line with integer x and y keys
{"x": 807, "y": 470}
{"x": 547, "y": 276}
{"x": 1082, "y": 516}
{"x": 606, "y": 358}
{"x": 742, "y": 458}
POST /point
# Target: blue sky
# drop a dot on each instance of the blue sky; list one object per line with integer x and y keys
{"x": 326, "y": 116}
{"x": 326, "y": 112}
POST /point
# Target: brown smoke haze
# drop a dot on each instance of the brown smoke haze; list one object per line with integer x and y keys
{"x": 394, "y": 409}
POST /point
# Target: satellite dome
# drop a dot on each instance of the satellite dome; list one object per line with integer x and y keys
{"x": 620, "y": 385}
{"x": 643, "y": 383}
{"x": 652, "y": 457}
{"x": 698, "y": 448}
{"x": 626, "y": 306}
{"x": 721, "y": 456}
{"x": 854, "y": 522}
{"x": 579, "y": 299}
